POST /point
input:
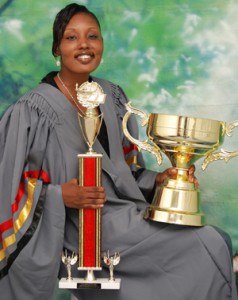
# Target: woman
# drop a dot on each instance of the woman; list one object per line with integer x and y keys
{"x": 40, "y": 197}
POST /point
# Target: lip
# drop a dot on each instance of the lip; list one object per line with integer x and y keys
{"x": 84, "y": 57}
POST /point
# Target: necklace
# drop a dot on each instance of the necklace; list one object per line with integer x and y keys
{"x": 72, "y": 97}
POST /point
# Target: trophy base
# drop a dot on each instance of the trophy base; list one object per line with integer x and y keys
{"x": 98, "y": 284}
{"x": 173, "y": 217}
{"x": 176, "y": 203}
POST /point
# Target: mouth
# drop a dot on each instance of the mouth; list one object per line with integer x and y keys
{"x": 84, "y": 57}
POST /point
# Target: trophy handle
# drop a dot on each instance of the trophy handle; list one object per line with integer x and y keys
{"x": 145, "y": 145}
{"x": 223, "y": 154}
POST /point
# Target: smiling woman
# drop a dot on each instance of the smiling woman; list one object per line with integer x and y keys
{"x": 79, "y": 45}
{"x": 40, "y": 196}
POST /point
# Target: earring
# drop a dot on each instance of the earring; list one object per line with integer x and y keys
{"x": 101, "y": 62}
{"x": 57, "y": 61}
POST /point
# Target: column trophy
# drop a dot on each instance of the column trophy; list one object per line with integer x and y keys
{"x": 90, "y": 95}
{"x": 183, "y": 140}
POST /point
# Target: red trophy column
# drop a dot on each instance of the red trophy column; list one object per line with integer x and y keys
{"x": 90, "y": 219}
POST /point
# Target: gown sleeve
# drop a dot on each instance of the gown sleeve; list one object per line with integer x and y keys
{"x": 32, "y": 210}
{"x": 145, "y": 178}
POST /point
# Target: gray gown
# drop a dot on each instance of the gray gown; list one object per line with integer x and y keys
{"x": 39, "y": 142}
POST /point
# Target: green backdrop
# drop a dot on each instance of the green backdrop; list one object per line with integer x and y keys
{"x": 170, "y": 56}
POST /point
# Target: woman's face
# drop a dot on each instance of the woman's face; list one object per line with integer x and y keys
{"x": 81, "y": 47}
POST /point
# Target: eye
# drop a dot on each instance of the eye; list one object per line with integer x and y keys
{"x": 71, "y": 37}
{"x": 93, "y": 36}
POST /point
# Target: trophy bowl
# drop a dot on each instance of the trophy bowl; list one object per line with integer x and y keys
{"x": 183, "y": 140}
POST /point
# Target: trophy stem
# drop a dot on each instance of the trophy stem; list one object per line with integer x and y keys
{"x": 90, "y": 276}
{"x": 90, "y": 150}
{"x": 182, "y": 174}
{"x": 91, "y": 112}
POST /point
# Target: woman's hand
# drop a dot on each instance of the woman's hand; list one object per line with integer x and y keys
{"x": 76, "y": 196}
{"x": 172, "y": 173}
{"x": 191, "y": 177}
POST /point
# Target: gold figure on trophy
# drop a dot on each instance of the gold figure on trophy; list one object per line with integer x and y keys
{"x": 111, "y": 261}
{"x": 183, "y": 140}
{"x": 69, "y": 260}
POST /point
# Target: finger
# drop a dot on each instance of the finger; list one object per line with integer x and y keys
{"x": 92, "y": 189}
{"x": 194, "y": 180}
{"x": 191, "y": 169}
{"x": 171, "y": 171}
{"x": 74, "y": 181}
{"x": 196, "y": 183}
{"x": 94, "y": 195}
{"x": 97, "y": 191}
{"x": 93, "y": 206}
{"x": 92, "y": 203}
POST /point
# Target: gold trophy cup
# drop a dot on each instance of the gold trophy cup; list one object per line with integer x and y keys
{"x": 183, "y": 140}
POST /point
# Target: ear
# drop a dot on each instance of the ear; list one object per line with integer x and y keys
{"x": 57, "y": 52}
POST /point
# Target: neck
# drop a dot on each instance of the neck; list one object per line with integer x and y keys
{"x": 71, "y": 79}
{"x": 69, "y": 94}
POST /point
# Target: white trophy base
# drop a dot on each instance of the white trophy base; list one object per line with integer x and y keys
{"x": 81, "y": 283}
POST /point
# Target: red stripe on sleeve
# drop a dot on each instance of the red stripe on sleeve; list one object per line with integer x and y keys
{"x": 21, "y": 190}
{"x": 132, "y": 147}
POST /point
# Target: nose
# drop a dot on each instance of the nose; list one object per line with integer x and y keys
{"x": 83, "y": 43}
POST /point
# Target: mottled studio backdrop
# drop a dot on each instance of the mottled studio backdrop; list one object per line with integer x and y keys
{"x": 170, "y": 56}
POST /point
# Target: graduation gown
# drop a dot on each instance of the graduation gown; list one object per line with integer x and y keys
{"x": 39, "y": 142}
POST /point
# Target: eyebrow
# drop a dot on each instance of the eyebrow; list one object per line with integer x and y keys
{"x": 74, "y": 28}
